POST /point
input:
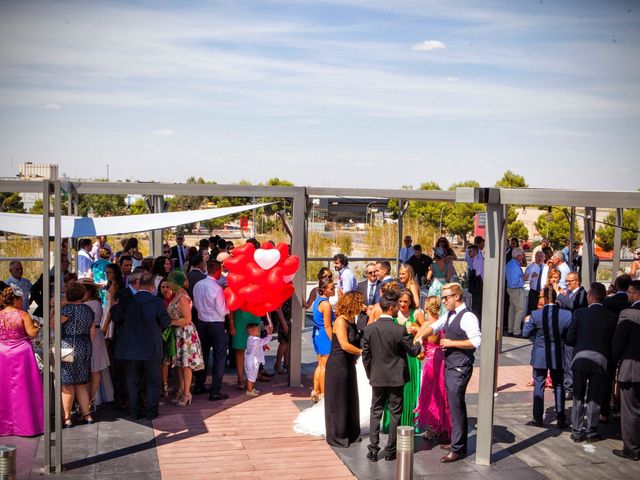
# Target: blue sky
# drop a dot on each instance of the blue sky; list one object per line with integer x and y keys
{"x": 366, "y": 93}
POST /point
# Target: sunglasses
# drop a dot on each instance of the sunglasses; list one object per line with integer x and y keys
{"x": 447, "y": 297}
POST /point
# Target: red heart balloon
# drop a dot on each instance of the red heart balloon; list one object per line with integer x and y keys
{"x": 267, "y": 246}
{"x": 236, "y": 264}
{"x": 283, "y": 248}
{"x": 233, "y": 300}
{"x": 291, "y": 264}
{"x": 256, "y": 274}
{"x": 236, "y": 280}
{"x": 275, "y": 278}
{"x": 246, "y": 249}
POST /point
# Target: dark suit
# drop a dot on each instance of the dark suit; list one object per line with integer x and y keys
{"x": 376, "y": 298}
{"x": 571, "y": 301}
{"x": 590, "y": 334}
{"x": 176, "y": 257}
{"x": 140, "y": 320}
{"x": 548, "y": 327}
{"x": 616, "y": 303}
{"x": 626, "y": 351}
{"x": 363, "y": 289}
{"x": 385, "y": 346}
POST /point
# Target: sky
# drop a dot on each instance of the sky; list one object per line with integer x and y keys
{"x": 351, "y": 93}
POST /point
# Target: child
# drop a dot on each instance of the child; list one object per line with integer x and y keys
{"x": 254, "y": 355}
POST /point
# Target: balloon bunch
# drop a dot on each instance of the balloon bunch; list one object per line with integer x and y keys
{"x": 259, "y": 279}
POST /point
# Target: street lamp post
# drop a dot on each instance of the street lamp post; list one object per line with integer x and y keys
{"x": 441, "y": 214}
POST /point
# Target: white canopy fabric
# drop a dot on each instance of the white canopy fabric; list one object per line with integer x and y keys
{"x": 76, "y": 227}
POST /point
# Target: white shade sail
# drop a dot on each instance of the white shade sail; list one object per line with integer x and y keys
{"x": 76, "y": 227}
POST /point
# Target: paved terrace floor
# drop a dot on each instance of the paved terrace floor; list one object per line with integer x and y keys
{"x": 252, "y": 438}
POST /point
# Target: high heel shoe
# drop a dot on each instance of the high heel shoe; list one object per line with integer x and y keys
{"x": 178, "y": 397}
{"x": 87, "y": 419}
{"x": 165, "y": 390}
{"x": 184, "y": 401}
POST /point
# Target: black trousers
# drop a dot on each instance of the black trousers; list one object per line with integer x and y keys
{"x": 539, "y": 380}
{"x": 605, "y": 407}
{"x": 143, "y": 376}
{"x": 456, "y": 381}
{"x": 630, "y": 417}
{"x": 213, "y": 336}
{"x": 476, "y": 304}
{"x": 381, "y": 396}
{"x": 532, "y": 303}
{"x": 568, "y": 373}
{"x": 588, "y": 389}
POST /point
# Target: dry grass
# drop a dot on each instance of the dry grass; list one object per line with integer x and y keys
{"x": 12, "y": 246}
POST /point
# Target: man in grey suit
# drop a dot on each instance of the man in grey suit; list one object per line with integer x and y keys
{"x": 591, "y": 332}
{"x": 141, "y": 319}
{"x": 626, "y": 350}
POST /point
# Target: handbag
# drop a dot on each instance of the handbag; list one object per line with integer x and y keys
{"x": 67, "y": 354}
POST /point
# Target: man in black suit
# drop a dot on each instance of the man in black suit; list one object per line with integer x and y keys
{"x": 179, "y": 251}
{"x": 626, "y": 350}
{"x": 367, "y": 289}
{"x": 572, "y": 298}
{"x": 383, "y": 268}
{"x": 462, "y": 337}
{"x": 140, "y": 320}
{"x": 590, "y": 334}
{"x": 617, "y": 302}
{"x": 385, "y": 346}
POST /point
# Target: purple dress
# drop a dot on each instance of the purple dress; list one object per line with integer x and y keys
{"x": 21, "y": 401}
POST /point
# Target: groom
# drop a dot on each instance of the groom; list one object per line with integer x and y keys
{"x": 385, "y": 346}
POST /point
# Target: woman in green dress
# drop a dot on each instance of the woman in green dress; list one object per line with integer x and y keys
{"x": 238, "y": 330}
{"x": 412, "y": 318}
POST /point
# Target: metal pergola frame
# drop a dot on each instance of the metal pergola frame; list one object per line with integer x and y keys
{"x": 496, "y": 199}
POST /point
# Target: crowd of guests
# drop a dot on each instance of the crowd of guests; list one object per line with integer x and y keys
{"x": 407, "y": 350}
{"x": 129, "y": 324}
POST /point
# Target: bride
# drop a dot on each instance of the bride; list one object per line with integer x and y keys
{"x": 311, "y": 420}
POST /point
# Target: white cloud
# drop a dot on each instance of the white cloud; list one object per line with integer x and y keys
{"x": 428, "y": 45}
{"x": 452, "y": 79}
{"x": 50, "y": 106}
{"x": 164, "y": 132}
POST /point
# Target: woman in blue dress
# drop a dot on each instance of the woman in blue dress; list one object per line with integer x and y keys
{"x": 322, "y": 333}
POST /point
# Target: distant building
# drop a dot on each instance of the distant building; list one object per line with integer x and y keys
{"x": 353, "y": 210}
{"x": 36, "y": 171}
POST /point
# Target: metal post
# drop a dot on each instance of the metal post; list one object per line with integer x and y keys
{"x": 299, "y": 282}
{"x": 572, "y": 234}
{"x": 587, "y": 247}
{"x": 46, "y": 329}
{"x": 638, "y": 235}
{"x": 404, "y": 451}
{"x": 494, "y": 255}
{"x": 8, "y": 470}
{"x": 617, "y": 245}
{"x": 155, "y": 236}
{"x": 501, "y": 274}
{"x": 400, "y": 229}
{"x": 57, "y": 258}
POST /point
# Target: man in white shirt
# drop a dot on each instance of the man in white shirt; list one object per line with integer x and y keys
{"x": 209, "y": 301}
{"x": 24, "y": 285}
{"x": 560, "y": 264}
{"x": 84, "y": 258}
{"x": 346, "y": 279}
{"x": 407, "y": 251}
{"x": 533, "y": 274}
{"x": 462, "y": 337}
{"x": 101, "y": 242}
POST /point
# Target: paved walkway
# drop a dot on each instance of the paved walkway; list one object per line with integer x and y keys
{"x": 252, "y": 438}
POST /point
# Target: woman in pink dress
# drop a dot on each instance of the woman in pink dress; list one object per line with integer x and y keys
{"x": 433, "y": 408}
{"x": 21, "y": 409}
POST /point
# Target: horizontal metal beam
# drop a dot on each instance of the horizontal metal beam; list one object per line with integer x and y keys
{"x": 21, "y": 186}
{"x": 193, "y": 189}
{"x": 400, "y": 194}
{"x": 569, "y": 198}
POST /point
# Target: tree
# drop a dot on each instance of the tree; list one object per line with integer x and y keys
{"x": 101, "y": 205}
{"x": 427, "y": 213}
{"x": 605, "y": 234}
{"x": 515, "y": 228}
{"x": 511, "y": 180}
{"x": 556, "y": 230}
{"x": 139, "y": 207}
{"x": 37, "y": 207}
{"x": 11, "y": 203}
{"x": 459, "y": 217}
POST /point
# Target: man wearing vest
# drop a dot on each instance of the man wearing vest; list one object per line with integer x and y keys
{"x": 461, "y": 338}
{"x": 548, "y": 328}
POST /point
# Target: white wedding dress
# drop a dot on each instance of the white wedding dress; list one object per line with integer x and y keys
{"x": 311, "y": 420}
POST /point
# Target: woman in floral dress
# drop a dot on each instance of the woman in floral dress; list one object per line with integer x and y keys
{"x": 189, "y": 352}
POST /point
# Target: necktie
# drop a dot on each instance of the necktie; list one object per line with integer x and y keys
{"x": 180, "y": 255}
{"x": 449, "y": 315}
{"x": 539, "y": 279}
{"x": 372, "y": 293}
